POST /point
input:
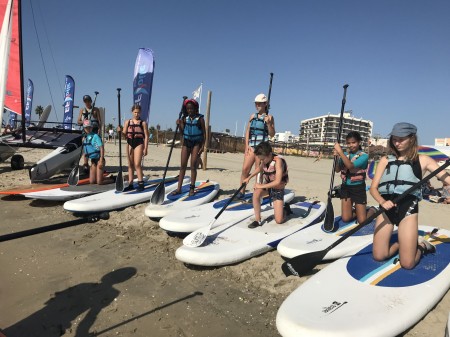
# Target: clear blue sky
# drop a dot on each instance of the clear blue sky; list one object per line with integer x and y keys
{"x": 395, "y": 55}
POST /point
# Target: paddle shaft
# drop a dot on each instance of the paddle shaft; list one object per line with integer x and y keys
{"x": 229, "y": 201}
{"x": 121, "y": 131}
{"x": 395, "y": 201}
{"x": 270, "y": 92}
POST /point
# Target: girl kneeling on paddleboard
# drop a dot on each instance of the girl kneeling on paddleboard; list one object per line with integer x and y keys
{"x": 394, "y": 174}
{"x": 193, "y": 128}
{"x": 352, "y": 165}
{"x": 135, "y": 131}
{"x": 93, "y": 150}
{"x": 274, "y": 170}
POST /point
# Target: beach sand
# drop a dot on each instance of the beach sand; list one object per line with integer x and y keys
{"x": 119, "y": 277}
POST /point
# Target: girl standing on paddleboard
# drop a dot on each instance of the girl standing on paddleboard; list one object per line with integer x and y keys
{"x": 260, "y": 127}
{"x": 135, "y": 131}
{"x": 193, "y": 128}
{"x": 352, "y": 165}
{"x": 396, "y": 173}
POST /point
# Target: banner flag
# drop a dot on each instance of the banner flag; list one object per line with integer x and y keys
{"x": 197, "y": 93}
{"x": 143, "y": 81}
{"x": 29, "y": 102}
{"x": 69, "y": 92}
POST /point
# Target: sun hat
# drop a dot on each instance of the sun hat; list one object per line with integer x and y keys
{"x": 261, "y": 98}
{"x": 87, "y": 123}
{"x": 87, "y": 98}
{"x": 403, "y": 129}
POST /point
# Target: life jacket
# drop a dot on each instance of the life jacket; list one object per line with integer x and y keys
{"x": 89, "y": 115}
{"x": 90, "y": 150}
{"x": 258, "y": 130}
{"x": 135, "y": 130}
{"x": 400, "y": 175}
{"x": 269, "y": 171}
{"x": 193, "y": 128}
{"x": 355, "y": 173}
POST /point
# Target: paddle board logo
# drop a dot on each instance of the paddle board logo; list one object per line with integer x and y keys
{"x": 333, "y": 307}
{"x": 313, "y": 241}
{"x": 292, "y": 270}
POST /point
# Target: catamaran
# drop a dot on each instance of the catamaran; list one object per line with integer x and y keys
{"x": 65, "y": 142}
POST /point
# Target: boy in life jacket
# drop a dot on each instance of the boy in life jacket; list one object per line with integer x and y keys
{"x": 260, "y": 127}
{"x": 92, "y": 114}
{"x": 193, "y": 128}
{"x": 395, "y": 174}
{"x": 273, "y": 169}
{"x": 352, "y": 165}
{"x": 135, "y": 131}
{"x": 93, "y": 150}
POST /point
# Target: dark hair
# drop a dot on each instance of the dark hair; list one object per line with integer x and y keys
{"x": 263, "y": 149}
{"x": 356, "y": 135}
{"x": 136, "y": 106}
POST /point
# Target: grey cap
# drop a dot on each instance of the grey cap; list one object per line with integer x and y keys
{"x": 403, "y": 129}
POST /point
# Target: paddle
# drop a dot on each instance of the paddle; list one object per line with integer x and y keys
{"x": 195, "y": 239}
{"x": 160, "y": 191}
{"x": 328, "y": 224}
{"x": 302, "y": 264}
{"x": 74, "y": 175}
{"x": 119, "y": 179}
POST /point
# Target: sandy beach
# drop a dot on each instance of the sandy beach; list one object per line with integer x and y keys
{"x": 119, "y": 277}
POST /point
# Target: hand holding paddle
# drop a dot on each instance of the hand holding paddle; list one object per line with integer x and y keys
{"x": 301, "y": 264}
{"x": 328, "y": 224}
{"x": 119, "y": 179}
{"x": 74, "y": 176}
{"x": 195, "y": 239}
{"x": 160, "y": 191}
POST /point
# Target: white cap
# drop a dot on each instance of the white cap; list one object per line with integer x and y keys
{"x": 261, "y": 98}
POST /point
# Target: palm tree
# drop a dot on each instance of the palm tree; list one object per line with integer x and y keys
{"x": 39, "y": 110}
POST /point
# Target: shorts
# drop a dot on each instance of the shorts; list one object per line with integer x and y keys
{"x": 409, "y": 205}
{"x": 276, "y": 194}
{"x": 135, "y": 142}
{"x": 357, "y": 193}
{"x": 192, "y": 143}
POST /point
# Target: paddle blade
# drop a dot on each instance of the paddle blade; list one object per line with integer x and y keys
{"x": 328, "y": 224}
{"x": 302, "y": 264}
{"x": 74, "y": 176}
{"x": 195, "y": 239}
{"x": 158, "y": 195}
{"x": 119, "y": 182}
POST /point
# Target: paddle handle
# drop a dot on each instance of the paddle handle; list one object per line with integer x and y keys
{"x": 121, "y": 131}
{"x": 395, "y": 201}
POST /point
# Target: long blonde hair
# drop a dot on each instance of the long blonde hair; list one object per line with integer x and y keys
{"x": 412, "y": 153}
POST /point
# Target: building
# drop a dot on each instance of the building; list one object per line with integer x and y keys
{"x": 322, "y": 131}
{"x": 442, "y": 142}
{"x": 286, "y": 137}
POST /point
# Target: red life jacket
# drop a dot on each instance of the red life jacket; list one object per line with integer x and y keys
{"x": 135, "y": 130}
{"x": 355, "y": 173}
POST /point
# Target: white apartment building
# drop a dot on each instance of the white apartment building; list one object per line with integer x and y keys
{"x": 286, "y": 137}
{"x": 323, "y": 130}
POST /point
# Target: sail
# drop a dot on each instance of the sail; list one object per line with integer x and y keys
{"x": 143, "y": 81}
{"x": 10, "y": 96}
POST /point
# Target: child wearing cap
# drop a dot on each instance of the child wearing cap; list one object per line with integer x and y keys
{"x": 274, "y": 171}
{"x": 394, "y": 174}
{"x": 260, "y": 127}
{"x": 193, "y": 128}
{"x": 93, "y": 150}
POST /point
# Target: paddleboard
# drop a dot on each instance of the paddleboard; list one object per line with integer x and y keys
{"x": 358, "y": 296}
{"x": 447, "y": 329}
{"x": 197, "y": 217}
{"x": 57, "y": 182}
{"x": 205, "y": 191}
{"x": 112, "y": 200}
{"x": 235, "y": 242}
{"x": 315, "y": 238}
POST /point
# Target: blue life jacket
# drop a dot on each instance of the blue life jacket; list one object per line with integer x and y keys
{"x": 400, "y": 175}
{"x": 258, "y": 130}
{"x": 193, "y": 129}
{"x": 91, "y": 148}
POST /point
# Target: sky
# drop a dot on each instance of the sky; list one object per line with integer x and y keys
{"x": 395, "y": 56}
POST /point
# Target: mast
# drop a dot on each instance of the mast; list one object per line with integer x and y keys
{"x": 22, "y": 91}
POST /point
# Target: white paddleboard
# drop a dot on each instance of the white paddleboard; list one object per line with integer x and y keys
{"x": 235, "y": 242}
{"x": 357, "y": 296}
{"x": 316, "y": 238}
{"x": 447, "y": 329}
{"x": 111, "y": 200}
{"x": 205, "y": 191}
{"x": 197, "y": 217}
